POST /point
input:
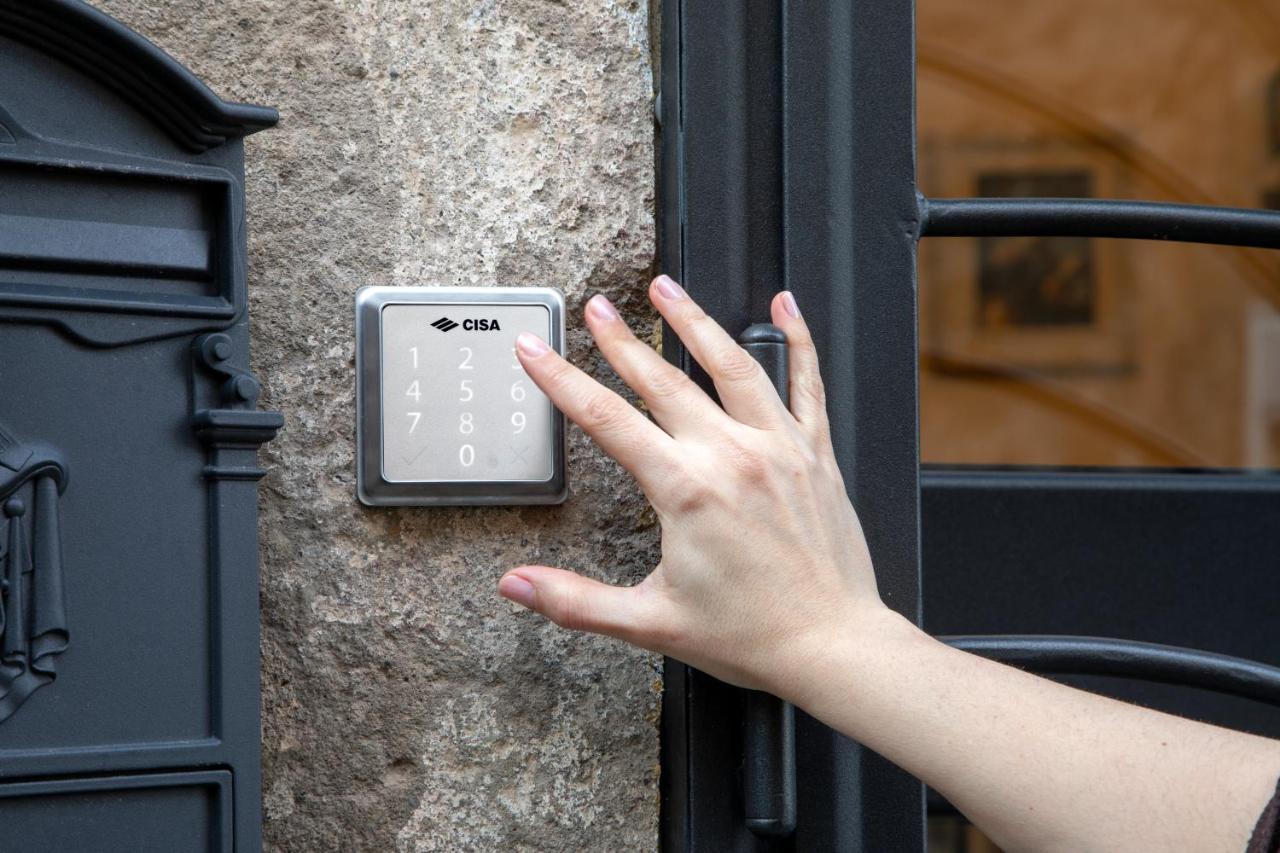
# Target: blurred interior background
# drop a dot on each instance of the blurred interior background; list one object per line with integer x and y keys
{"x": 1070, "y": 351}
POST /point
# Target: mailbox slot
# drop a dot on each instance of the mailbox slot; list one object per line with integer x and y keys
{"x": 74, "y": 237}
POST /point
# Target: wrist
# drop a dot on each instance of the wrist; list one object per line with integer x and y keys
{"x": 847, "y": 651}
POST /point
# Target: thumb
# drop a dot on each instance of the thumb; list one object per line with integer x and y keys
{"x": 582, "y": 604}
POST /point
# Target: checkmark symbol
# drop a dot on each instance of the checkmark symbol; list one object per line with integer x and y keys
{"x": 409, "y": 460}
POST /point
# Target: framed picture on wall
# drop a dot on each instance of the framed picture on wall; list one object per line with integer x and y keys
{"x": 1046, "y": 304}
{"x": 1262, "y": 389}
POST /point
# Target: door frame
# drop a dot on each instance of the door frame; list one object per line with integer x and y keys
{"x": 765, "y": 110}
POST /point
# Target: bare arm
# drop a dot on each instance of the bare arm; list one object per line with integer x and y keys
{"x": 766, "y": 582}
{"x": 1040, "y": 766}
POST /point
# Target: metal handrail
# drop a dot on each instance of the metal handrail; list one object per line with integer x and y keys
{"x": 1075, "y": 217}
{"x": 1072, "y": 655}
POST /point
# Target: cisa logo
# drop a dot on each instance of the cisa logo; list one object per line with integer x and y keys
{"x": 444, "y": 324}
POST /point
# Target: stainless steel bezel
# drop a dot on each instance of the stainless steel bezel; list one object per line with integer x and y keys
{"x": 371, "y": 488}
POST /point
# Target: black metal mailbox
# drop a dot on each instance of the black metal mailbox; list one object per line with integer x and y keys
{"x": 128, "y": 437}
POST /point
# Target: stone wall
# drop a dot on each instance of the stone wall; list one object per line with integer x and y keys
{"x": 405, "y": 705}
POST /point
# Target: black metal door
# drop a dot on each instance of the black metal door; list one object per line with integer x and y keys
{"x": 788, "y": 161}
{"x": 128, "y": 441}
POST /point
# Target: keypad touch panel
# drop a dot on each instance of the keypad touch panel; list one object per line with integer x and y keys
{"x": 446, "y": 413}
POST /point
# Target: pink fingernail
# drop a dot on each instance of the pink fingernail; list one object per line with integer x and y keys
{"x": 532, "y": 345}
{"x": 668, "y": 288}
{"x": 789, "y": 304}
{"x": 602, "y": 309}
{"x": 517, "y": 589}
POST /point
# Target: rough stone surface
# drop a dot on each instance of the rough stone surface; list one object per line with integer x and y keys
{"x": 449, "y": 142}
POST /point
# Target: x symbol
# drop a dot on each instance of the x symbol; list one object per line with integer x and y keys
{"x": 518, "y": 455}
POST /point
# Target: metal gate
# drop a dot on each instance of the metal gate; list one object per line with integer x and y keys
{"x": 788, "y": 162}
{"x": 128, "y": 441}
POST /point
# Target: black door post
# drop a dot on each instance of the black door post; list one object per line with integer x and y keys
{"x": 788, "y": 162}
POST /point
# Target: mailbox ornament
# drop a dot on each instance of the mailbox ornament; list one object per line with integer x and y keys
{"x": 33, "y": 620}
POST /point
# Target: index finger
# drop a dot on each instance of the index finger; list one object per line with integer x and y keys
{"x": 744, "y": 390}
{"x": 647, "y": 452}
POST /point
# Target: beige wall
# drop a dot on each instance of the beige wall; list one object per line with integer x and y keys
{"x": 1163, "y": 100}
{"x": 447, "y": 142}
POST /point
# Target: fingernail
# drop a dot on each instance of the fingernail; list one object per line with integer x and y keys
{"x": 532, "y": 345}
{"x": 517, "y": 589}
{"x": 602, "y": 309}
{"x": 789, "y": 304}
{"x": 668, "y": 288}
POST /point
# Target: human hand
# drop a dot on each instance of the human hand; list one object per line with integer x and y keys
{"x": 763, "y": 558}
{"x": 765, "y": 581}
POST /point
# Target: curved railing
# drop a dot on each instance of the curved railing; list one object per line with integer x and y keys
{"x": 1070, "y": 655}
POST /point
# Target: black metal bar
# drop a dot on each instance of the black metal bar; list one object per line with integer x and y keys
{"x": 1073, "y": 217}
{"x": 675, "y": 831}
{"x": 1067, "y": 655}
{"x": 768, "y": 723}
{"x": 788, "y": 161}
{"x": 851, "y": 215}
{"x": 974, "y": 480}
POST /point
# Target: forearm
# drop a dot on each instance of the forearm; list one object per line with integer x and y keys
{"x": 1037, "y": 765}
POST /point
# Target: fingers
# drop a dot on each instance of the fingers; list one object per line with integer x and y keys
{"x": 625, "y": 434}
{"x": 676, "y": 402}
{"x": 808, "y": 398}
{"x": 744, "y": 389}
{"x": 581, "y": 604}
